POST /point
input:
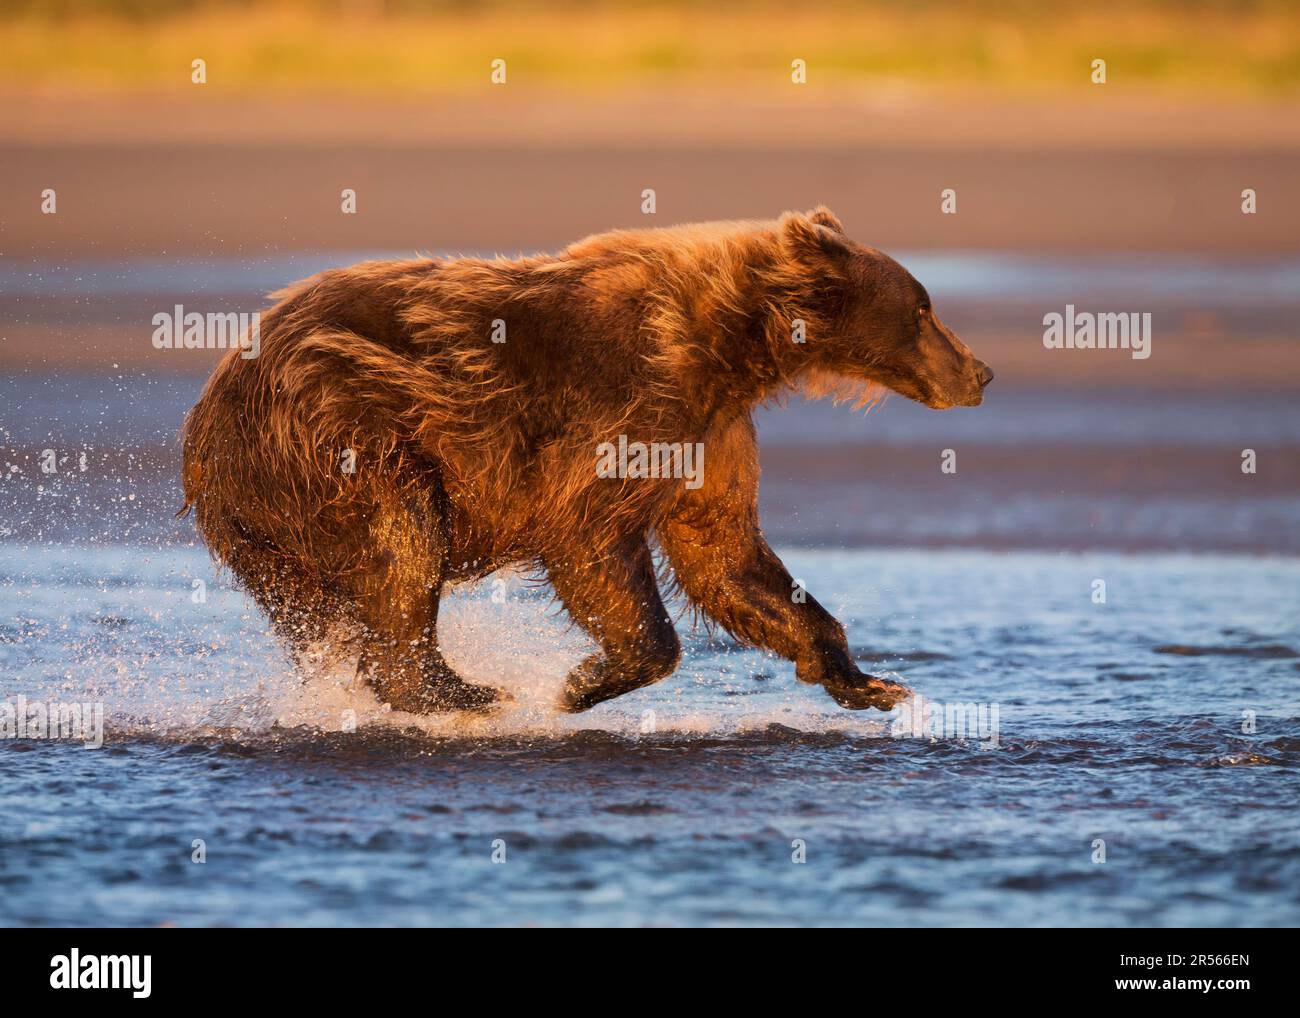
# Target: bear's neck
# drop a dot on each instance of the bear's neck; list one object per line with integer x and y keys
{"x": 740, "y": 353}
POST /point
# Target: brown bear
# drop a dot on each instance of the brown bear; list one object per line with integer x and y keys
{"x": 409, "y": 424}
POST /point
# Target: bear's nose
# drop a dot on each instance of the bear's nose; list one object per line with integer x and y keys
{"x": 985, "y": 375}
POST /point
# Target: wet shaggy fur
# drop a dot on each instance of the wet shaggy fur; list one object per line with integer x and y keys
{"x": 469, "y": 454}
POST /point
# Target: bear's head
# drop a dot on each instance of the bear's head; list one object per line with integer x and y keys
{"x": 880, "y": 326}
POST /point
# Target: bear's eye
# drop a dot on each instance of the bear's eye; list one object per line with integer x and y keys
{"x": 923, "y": 311}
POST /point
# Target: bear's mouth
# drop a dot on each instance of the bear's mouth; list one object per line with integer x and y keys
{"x": 940, "y": 402}
{"x": 973, "y": 400}
{"x": 945, "y": 397}
{"x": 923, "y": 390}
{"x": 862, "y": 392}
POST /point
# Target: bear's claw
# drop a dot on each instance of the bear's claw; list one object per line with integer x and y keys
{"x": 873, "y": 692}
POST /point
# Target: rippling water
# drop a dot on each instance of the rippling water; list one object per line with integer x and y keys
{"x": 1126, "y": 723}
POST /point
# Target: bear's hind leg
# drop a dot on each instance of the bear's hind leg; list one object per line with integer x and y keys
{"x": 397, "y": 600}
{"x": 413, "y": 677}
{"x": 401, "y": 660}
{"x": 616, "y": 600}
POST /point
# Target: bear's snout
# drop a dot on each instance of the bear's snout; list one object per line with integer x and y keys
{"x": 980, "y": 374}
{"x": 955, "y": 375}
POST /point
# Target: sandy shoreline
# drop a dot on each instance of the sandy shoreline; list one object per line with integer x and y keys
{"x": 818, "y": 119}
{"x": 193, "y": 174}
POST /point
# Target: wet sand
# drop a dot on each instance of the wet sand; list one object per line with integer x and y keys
{"x": 201, "y": 173}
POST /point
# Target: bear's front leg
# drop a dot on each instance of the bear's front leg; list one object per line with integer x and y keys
{"x": 616, "y": 600}
{"x": 738, "y": 581}
{"x": 726, "y": 568}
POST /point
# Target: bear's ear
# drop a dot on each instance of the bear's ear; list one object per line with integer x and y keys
{"x": 823, "y": 216}
{"x": 807, "y": 240}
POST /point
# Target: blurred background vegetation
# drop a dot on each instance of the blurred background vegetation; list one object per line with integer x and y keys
{"x": 412, "y": 47}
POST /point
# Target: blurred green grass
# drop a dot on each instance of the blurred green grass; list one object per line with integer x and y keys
{"x": 419, "y": 47}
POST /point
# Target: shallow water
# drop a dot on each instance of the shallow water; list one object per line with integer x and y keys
{"x": 1120, "y": 721}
